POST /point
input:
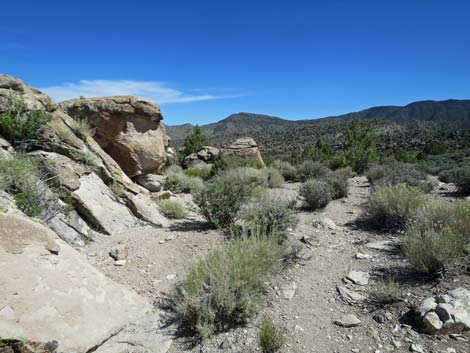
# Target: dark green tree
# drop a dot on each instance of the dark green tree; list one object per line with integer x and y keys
{"x": 194, "y": 142}
{"x": 360, "y": 145}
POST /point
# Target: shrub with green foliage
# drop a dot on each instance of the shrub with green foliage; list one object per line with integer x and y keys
{"x": 274, "y": 177}
{"x": 385, "y": 291}
{"x": 82, "y": 129}
{"x": 20, "y": 123}
{"x": 178, "y": 181}
{"x": 270, "y": 337}
{"x": 172, "y": 209}
{"x": 310, "y": 170}
{"x": 271, "y": 215}
{"x": 288, "y": 171}
{"x": 222, "y": 197}
{"x": 459, "y": 176}
{"x": 194, "y": 142}
{"x": 360, "y": 145}
{"x": 200, "y": 170}
{"x": 316, "y": 193}
{"x": 225, "y": 289}
{"x": 21, "y": 177}
{"x": 393, "y": 206}
{"x": 399, "y": 173}
{"x": 339, "y": 184}
{"x": 430, "y": 249}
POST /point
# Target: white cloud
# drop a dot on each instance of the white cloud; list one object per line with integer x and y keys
{"x": 152, "y": 90}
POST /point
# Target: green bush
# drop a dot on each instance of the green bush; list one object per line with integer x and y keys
{"x": 225, "y": 289}
{"x": 270, "y": 337}
{"x": 269, "y": 214}
{"x": 200, "y": 170}
{"x": 288, "y": 171}
{"x": 360, "y": 145}
{"x": 21, "y": 177}
{"x": 222, "y": 197}
{"x": 194, "y": 142}
{"x": 20, "y": 123}
{"x": 399, "y": 173}
{"x": 172, "y": 209}
{"x": 393, "y": 206}
{"x": 339, "y": 185}
{"x": 117, "y": 189}
{"x": 178, "y": 182}
{"x": 310, "y": 170}
{"x": 274, "y": 177}
{"x": 316, "y": 193}
{"x": 385, "y": 291}
{"x": 430, "y": 249}
{"x": 82, "y": 129}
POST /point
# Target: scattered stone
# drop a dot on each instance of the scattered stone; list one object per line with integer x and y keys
{"x": 360, "y": 278}
{"x": 120, "y": 252}
{"x": 120, "y": 263}
{"x": 361, "y": 256}
{"x": 288, "y": 291}
{"x": 52, "y": 247}
{"x": 417, "y": 348}
{"x": 348, "y": 321}
{"x": 171, "y": 277}
{"x": 152, "y": 182}
{"x": 380, "y": 318}
{"x": 350, "y": 296}
{"x": 384, "y": 245}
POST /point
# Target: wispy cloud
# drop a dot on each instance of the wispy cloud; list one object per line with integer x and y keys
{"x": 153, "y": 90}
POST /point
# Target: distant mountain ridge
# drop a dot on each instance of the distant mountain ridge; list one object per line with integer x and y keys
{"x": 274, "y": 132}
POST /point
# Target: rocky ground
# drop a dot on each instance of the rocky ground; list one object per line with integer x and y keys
{"x": 313, "y": 299}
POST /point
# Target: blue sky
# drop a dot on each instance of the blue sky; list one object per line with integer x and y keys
{"x": 204, "y": 60}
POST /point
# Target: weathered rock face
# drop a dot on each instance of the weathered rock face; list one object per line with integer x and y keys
{"x": 446, "y": 313}
{"x": 152, "y": 182}
{"x": 99, "y": 206}
{"x": 245, "y": 147}
{"x": 62, "y": 298}
{"x": 128, "y": 128}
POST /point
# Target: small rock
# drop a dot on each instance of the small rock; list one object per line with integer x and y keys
{"x": 417, "y": 348}
{"x": 120, "y": 252}
{"x": 358, "y": 277}
{"x": 119, "y": 262}
{"x": 380, "y": 318}
{"x": 349, "y": 295}
{"x": 384, "y": 245}
{"x": 348, "y": 321}
{"x": 52, "y": 247}
{"x": 288, "y": 290}
{"x": 361, "y": 256}
{"x": 170, "y": 277}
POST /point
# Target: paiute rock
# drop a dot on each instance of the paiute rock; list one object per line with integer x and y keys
{"x": 152, "y": 182}
{"x": 245, "y": 147}
{"x": 128, "y": 128}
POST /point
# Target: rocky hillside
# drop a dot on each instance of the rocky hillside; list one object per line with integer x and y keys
{"x": 408, "y": 126}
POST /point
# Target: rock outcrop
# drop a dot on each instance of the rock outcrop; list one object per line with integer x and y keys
{"x": 58, "y": 297}
{"x": 206, "y": 154}
{"x": 245, "y": 147}
{"x": 128, "y": 128}
{"x": 446, "y": 313}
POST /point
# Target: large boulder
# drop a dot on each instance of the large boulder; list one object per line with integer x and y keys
{"x": 206, "y": 154}
{"x": 57, "y": 295}
{"x": 128, "y": 128}
{"x": 100, "y": 207}
{"x": 245, "y": 147}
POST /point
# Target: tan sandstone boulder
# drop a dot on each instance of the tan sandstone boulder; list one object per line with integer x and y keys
{"x": 54, "y": 294}
{"x": 245, "y": 147}
{"x": 129, "y": 129}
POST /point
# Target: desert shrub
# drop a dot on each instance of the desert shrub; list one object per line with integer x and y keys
{"x": 385, "y": 291}
{"x": 310, "y": 170}
{"x": 82, "y": 129}
{"x": 316, "y": 193}
{"x": 19, "y": 123}
{"x": 393, "y": 206}
{"x": 237, "y": 162}
{"x": 221, "y": 198}
{"x": 172, "y": 209}
{"x": 225, "y": 288}
{"x": 398, "y": 173}
{"x": 288, "y": 171}
{"x": 269, "y": 214}
{"x": 253, "y": 176}
{"x": 177, "y": 181}
{"x": 200, "y": 170}
{"x": 20, "y": 176}
{"x": 460, "y": 177}
{"x": 345, "y": 172}
{"x": 274, "y": 177}
{"x": 259, "y": 192}
{"x": 339, "y": 185}
{"x": 429, "y": 249}
{"x": 270, "y": 337}
{"x": 337, "y": 162}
